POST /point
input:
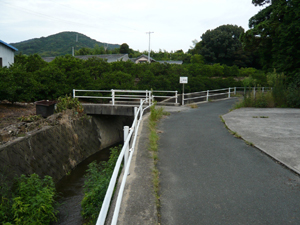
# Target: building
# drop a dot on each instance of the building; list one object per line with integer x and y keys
{"x": 7, "y": 54}
{"x": 144, "y": 59}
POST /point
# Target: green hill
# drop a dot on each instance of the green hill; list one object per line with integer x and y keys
{"x": 58, "y": 44}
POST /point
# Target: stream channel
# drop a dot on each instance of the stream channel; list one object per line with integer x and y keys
{"x": 70, "y": 189}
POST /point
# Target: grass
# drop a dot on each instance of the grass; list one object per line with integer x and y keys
{"x": 260, "y": 117}
{"x": 264, "y": 117}
{"x": 194, "y": 106}
{"x": 155, "y": 116}
{"x": 235, "y": 133}
{"x": 259, "y": 99}
{"x": 249, "y": 143}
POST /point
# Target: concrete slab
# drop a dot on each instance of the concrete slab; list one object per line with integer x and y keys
{"x": 102, "y": 109}
{"x": 275, "y": 131}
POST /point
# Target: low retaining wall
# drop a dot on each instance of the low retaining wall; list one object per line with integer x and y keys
{"x": 55, "y": 150}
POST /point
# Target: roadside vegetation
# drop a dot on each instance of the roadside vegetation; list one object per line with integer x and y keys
{"x": 280, "y": 95}
{"x": 97, "y": 180}
{"x": 155, "y": 115}
{"x": 31, "y": 79}
{"x": 30, "y": 201}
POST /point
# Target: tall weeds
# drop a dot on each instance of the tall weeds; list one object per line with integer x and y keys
{"x": 30, "y": 201}
{"x": 155, "y": 115}
{"x": 281, "y": 95}
{"x": 97, "y": 180}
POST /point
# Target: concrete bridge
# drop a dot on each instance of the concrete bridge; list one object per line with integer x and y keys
{"x": 123, "y": 102}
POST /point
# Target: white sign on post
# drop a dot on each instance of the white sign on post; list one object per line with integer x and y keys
{"x": 183, "y": 80}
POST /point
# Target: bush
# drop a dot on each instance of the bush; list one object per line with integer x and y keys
{"x": 95, "y": 186}
{"x": 293, "y": 96}
{"x": 30, "y": 202}
{"x": 68, "y": 102}
{"x": 259, "y": 99}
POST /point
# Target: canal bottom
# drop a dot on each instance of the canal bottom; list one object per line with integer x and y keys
{"x": 70, "y": 190}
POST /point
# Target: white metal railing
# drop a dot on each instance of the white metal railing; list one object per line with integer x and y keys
{"x": 149, "y": 97}
{"x": 209, "y": 93}
{"x": 115, "y": 94}
{"x": 130, "y": 136}
{"x": 130, "y": 95}
{"x": 219, "y": 92}
{"x": 164, "y": 96}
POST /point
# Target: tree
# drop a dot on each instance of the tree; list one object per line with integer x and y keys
{"x": 274, "y": 35}
{"x": 222, "y": 45}
{"x": 84, "y": 51}
{"x": 124, "y": 48}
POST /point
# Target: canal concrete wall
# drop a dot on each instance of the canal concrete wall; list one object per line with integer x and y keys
{"x": 56, "y": 150}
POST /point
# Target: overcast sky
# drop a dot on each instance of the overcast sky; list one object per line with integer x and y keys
{"x": 174, "y": 23}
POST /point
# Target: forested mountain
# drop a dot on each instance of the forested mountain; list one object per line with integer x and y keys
{"x": 58, "y": 44}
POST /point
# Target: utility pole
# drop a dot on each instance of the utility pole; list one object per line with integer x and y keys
{"x": 105, "y": 46}
{"x": 149, "y": 45}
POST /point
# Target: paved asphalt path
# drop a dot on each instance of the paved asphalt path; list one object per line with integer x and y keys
{"x": 210, "y": 177}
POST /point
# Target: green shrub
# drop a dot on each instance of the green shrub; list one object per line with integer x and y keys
{"x": 68, "y": 102}
{"x": 293, "y": 96}
{"x": 31, "y": 201}
{"x": 95, "y": 186}
{"x": 260, "y": 99}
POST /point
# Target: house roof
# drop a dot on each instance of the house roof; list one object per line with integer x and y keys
{"x": 7, "y": 45}
{"x": 109, "y": 58}
{"x": 142, "y": 56}
{"x": 153, "y": 60}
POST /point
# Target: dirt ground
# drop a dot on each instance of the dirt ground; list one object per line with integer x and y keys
{"x": 9, "y": 113}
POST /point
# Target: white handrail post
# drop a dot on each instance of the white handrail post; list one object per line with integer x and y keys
{"x": 126, "y": 132}
{"x": 74, "y": 93}
{"x": 136, "y": 115}
{"x": 254, "y": 92}
{"x": 113, "y": 96}
{"x": 234, "y": 90}
{"x": 146, "y": 95}
{"x": 263, "y": 89}
{"x": 176, "y": 97}
{"x": 207, "y": 95}
{"x": 135, "y": 111}
{"x": 153, "y": 98}
{"x": 228, "y": 92}
{"x": 150, "y": 97}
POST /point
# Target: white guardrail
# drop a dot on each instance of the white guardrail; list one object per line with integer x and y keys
{"x": 130, "y": 95}
{"x": 209, "y": 93}
{"x": 130, "y": 136}
{"x": 149, "y": 97}
{"x": 221, "y": 92}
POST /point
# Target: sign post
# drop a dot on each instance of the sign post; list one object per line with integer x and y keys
{"x": 183, "y": 80}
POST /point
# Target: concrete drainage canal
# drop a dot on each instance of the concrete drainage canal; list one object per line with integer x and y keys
{"x": 62, "y": 149}
{"x": 70, "y": 189}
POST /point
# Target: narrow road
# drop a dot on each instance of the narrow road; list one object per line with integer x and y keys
{"x": 210, "y": 177}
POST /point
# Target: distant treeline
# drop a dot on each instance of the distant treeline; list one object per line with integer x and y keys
{"x": 30, "y": 78}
